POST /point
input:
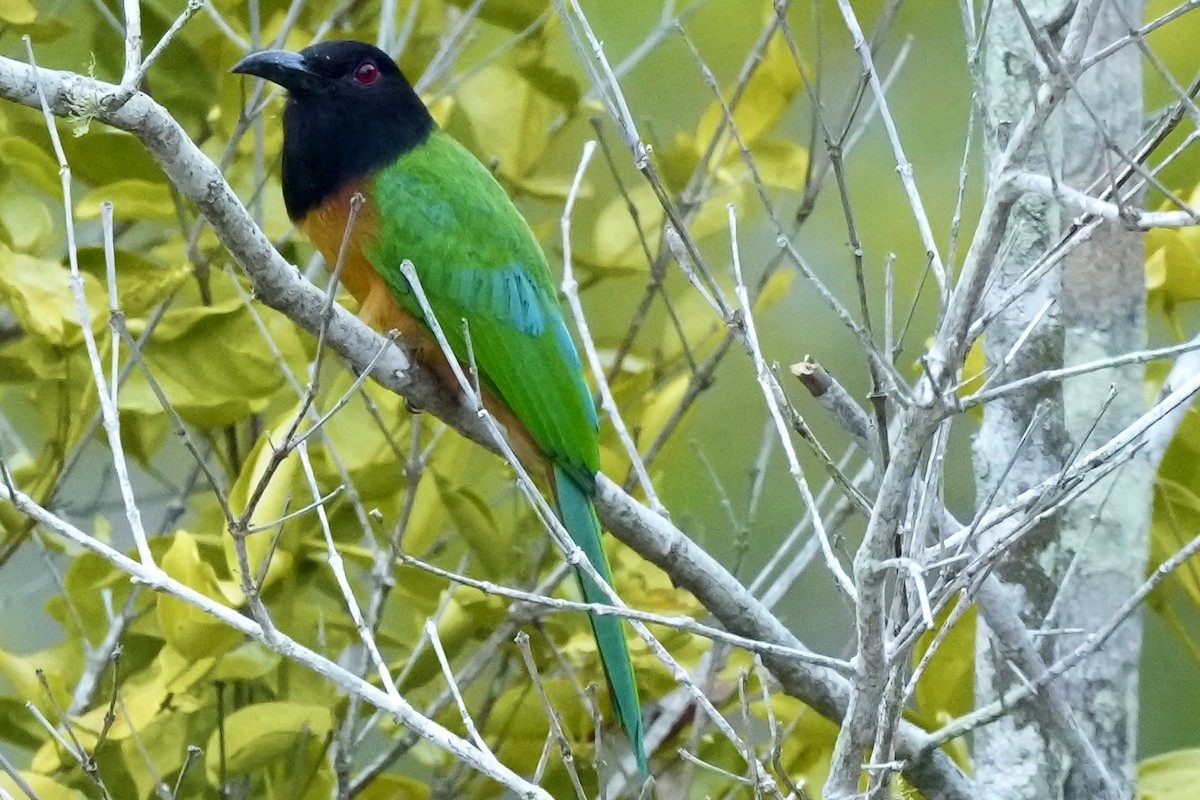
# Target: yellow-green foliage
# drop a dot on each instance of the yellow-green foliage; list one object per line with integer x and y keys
{"x": 233, "y": 372}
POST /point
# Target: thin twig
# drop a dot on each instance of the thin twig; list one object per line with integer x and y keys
{"x": 112, "y": 423}
{"x": 570, "y": 289}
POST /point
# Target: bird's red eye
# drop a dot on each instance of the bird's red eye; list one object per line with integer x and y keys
{"x": 366, "y": 73}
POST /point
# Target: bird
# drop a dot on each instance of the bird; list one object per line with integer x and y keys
{"x": 354, "y": 126}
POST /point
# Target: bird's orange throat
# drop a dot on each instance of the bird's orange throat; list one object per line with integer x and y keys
{"x": 326, "y": 227}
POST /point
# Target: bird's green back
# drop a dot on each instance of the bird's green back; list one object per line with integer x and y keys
{"x": 479, "y": 261}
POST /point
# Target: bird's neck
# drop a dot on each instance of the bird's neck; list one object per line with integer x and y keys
{"x": 325, "y": 147}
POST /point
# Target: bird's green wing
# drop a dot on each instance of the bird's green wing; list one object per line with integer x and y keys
{"x": 478, "y": 261}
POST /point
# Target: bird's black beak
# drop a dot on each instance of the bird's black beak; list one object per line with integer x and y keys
{"x": 285, "y": 68}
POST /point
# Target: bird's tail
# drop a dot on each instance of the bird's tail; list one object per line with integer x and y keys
{"x": 579, "y": 518}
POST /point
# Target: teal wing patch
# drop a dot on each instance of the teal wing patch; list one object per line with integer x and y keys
{"x": 505, "y": 294}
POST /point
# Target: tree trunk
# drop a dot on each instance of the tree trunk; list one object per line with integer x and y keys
{"x": 1073, "y": 570}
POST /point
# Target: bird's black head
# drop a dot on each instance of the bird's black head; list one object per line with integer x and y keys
{"x": 350, "y": 111}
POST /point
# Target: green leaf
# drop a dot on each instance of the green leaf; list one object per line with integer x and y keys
{"x": 106, "y": 156}
{"x": 520, "y": 714}
{"x": 514, "y": 15}
{"x": 59, "y": 665}
{"x": 1179, "y": 460}
{"x": 26, "y": 220}
{"x": 1174, "y": 523}
{"x": 212, "y": 363}
{"x": 509, "y": 118}
{"x": 766, "y": 96}
{"x": 643, "y": 584}
{"x": 363, "y": 448}
{"x": 186, "y": 628}
{"x": 1173, "y": 46}
{"x": 617, "y": 237}
{"x": 470, "y": 614}
{"x": 39, "y": 295}
{"x": 1173, "y": 268}
{"x": 421, "y": 593}
{"x": 17, "y": 726}
{"x": 807, "y": 750}
{"x": 133, "y": 200}
{"x": 143, "y": 702}
{"x": 44, "y": 788}
{"x": 245, "y": 663}
{"x": 272, "y": 504}
{"x": 33, "y": 163}
{"x": 1170, "y": 776}
{"x": 662, "y": 403}
{"x": 394, "y": 787}
{"x": 164, "y": 740}
{"x": 780, "y": 164}
{"x": 427, "y": 520}
{"x": 44, "y": 30}
{"x": 775, "y": 290}
{"x": 475, "y": 523}
{"x": 306, "y": 774}
{"x": 17, "y": 12}
{"x": 548, "y": 187}
{"x": 946, "y": 689}
{"x": 974, "y": 374}
{"x": 88, "y": 579}
{"x": 559, "y": 86}
{"x": 141, "y": 436}
{"x": 31, "y": 359}
{"x": 538, "y": 59}
{"x": 257, "y": 735}
{"x": 178, "y": 672}
{"x": 615, "y": 244}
